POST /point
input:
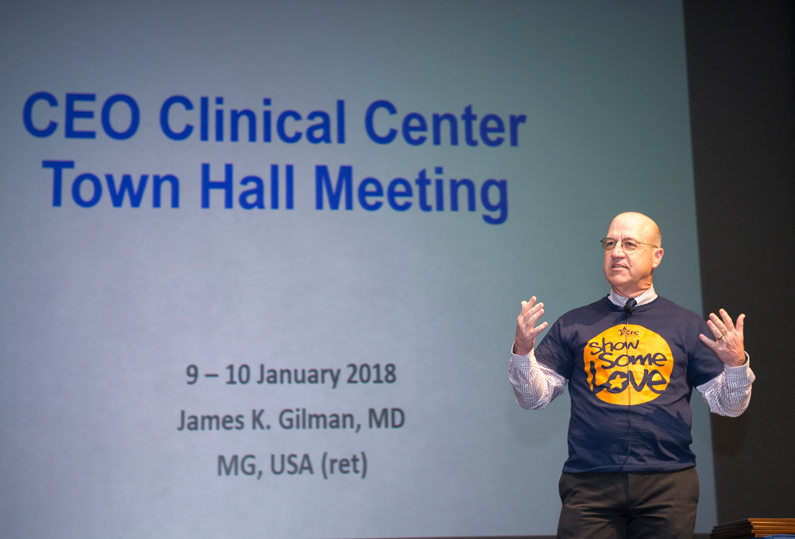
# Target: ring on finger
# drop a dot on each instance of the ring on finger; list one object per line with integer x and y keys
{"x": 721, "y": 336}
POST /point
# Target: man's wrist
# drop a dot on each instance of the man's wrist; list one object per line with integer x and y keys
{"x": 519, "y": 351}
{"x": 742, "y": 363}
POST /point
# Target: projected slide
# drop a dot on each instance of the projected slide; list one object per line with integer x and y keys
{"x": 260, "y": 263}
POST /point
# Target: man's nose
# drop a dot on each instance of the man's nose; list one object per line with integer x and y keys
{"x": 618, "y": 250}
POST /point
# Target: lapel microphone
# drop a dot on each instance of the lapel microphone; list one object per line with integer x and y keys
{"x": 629, "y": 306}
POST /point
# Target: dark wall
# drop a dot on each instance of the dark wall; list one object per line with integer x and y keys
{"x": 742, "y": 99}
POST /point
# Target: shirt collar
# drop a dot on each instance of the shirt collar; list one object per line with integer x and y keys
{"x": 647, "y": 297}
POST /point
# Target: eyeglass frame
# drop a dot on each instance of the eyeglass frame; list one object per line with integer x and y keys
{"x": 602, "y": 241}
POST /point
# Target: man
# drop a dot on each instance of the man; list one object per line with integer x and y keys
{"x": 631, "y": 361}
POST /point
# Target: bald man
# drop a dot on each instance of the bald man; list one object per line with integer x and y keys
{"x": 631, "y": 361}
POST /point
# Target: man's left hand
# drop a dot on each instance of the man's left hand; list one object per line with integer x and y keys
{"x": 728, "y": 343}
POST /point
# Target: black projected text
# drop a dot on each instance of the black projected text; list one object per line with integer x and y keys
{"x": 293, "y": 464}
{"x": 290, "y": 419}
{"x": 244, "y": 374}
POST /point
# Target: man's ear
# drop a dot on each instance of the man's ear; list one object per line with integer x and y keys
{"x": 658, "y": 255}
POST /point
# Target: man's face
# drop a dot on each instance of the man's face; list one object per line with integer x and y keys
{"x": 629, "y": 273}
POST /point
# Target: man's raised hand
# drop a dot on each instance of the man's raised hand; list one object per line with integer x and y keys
{"x": 526, "y": 329}
{"x": 728, "y": 343}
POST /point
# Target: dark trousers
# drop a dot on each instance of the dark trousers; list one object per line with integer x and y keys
{"x": 627, "y": 505}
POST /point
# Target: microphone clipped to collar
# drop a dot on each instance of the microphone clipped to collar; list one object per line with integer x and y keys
{"x": 630, "y": 305}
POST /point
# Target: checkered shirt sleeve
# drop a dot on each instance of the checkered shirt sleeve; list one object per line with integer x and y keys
{"x": 534, "y": 385}
{"x": 729, "y": 393}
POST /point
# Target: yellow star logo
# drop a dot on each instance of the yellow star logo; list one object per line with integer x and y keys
{"x": 617, "y": 382}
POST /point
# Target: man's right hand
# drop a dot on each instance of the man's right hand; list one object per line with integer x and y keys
{"x": 525, "y": 330}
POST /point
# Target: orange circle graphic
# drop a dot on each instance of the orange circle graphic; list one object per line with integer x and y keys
{"x": 628, "y": 364}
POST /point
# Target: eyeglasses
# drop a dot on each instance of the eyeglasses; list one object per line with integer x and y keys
{"x": 628, "y": 245}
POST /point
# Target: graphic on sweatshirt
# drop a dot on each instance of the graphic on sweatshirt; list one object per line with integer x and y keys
{"x": 628, "y": 365}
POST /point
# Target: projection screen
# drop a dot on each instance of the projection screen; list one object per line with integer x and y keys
{"x": 261, "y": 261}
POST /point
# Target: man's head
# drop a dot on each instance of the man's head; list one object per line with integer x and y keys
{"x": 629, "y": 272}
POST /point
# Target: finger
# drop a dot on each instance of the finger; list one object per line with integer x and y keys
{"x": 727, "y": 320}
{"x": 535, "y": 331}
{"x": 718, "y": 323}
{"x": 529, "y": 313}
{"x": 527, "y": 319}
{"x": 527, "y": 305}
{"x": 706, "y": 340}
{"x": 523, "y": 312}
{"x": 530, "y": 328}
{"x": 715, "y": 331}
{"x": 533, "y": 318}
{"x": 740, "y": 323}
